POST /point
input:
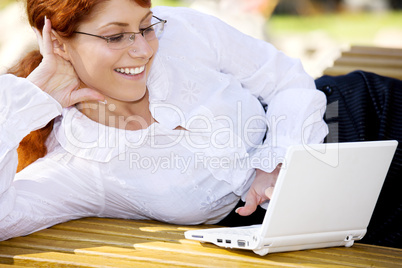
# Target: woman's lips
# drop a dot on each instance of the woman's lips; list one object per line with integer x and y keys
{"x": 130, "y": 70}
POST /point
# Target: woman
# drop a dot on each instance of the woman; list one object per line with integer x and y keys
{"x": 136, "y": 127}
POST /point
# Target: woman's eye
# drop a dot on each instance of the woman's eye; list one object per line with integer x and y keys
{"x": 116, "y": 38}
{"x": 148, "y": 30}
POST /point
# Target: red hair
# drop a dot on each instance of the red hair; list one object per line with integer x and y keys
{"x": 65, "y": 15}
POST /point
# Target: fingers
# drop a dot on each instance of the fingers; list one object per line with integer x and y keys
{"x": 44, "y": 40}
{"x": 47, "y": 39}
{"x": 252, "y": 201}
{"x": 246, "y": 210}
{"x": 250, "y": 206}
{"x": 260, "y": 191}
{"x": 269, "y": 191}
{"x": 39, "y": 39}
{"x": 86, "y": 94}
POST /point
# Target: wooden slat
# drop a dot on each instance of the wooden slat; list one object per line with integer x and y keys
{"x": 370, "y": 55}
{"x": 353, "y": 257}
{"x": 341, "y": 70}
{"x": 101, "y": 242}
{"x": 382, "y": 61}
{"x": 386, "y": 50}
{"x": 36, "y": 258}
{"x": 378, "y": 51}
{"x": 391, "y": 63}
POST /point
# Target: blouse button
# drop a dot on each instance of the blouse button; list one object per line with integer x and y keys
{"x": 327, "y": 90}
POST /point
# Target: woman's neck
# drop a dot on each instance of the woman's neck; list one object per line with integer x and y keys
{"x": 119, "y": 114}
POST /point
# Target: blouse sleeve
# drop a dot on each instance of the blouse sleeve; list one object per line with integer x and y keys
{"x": 295, "y": 109}
{"x": 31, "y": 199}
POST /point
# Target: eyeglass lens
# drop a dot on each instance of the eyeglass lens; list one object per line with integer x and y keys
{"x": 124, "y": 40}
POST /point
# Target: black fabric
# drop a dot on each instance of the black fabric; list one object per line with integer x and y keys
{"x": 362, "y": 107}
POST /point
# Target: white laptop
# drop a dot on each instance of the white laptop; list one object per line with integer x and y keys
{"x": 324, "y": 197}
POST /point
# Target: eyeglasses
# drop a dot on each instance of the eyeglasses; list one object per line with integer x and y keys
{"x": 123, "y": 40}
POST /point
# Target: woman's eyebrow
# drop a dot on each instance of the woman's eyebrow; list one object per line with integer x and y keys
{"x": 123, "y": 24}
{"x": 146, "y": 16}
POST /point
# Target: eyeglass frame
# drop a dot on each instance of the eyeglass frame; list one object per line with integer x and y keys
{"x": 107, "y": 38}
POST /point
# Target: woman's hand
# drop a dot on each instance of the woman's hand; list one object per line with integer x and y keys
{"x": 56, "y": 76}
{"x": 260, "y": 191}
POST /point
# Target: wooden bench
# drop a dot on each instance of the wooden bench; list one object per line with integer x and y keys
{"x": 99, "y": 242}
{"x": 383, "y": 61}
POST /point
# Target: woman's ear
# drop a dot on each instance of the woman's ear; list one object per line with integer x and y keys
{"x": 59, "y": 46}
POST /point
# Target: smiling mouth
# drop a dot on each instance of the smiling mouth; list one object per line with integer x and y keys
{"x": 131, "y": 71}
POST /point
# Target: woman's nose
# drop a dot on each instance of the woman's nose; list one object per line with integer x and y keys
{"x": 141, "y": 47}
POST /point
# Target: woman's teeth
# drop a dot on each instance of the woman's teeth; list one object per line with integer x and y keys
{"x": 131, "y": 71}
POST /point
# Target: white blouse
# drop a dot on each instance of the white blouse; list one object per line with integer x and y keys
{"x": 207, "y": 78}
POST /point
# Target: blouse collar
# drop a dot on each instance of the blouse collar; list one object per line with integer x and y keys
{"x": 91, "y": 140}
{"x": 85, "y": 138}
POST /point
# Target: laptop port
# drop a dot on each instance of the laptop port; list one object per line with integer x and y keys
{"x": 219, "y": 240}
{"x": 241, "y": 243}
{"x": 228, "y": 241}
{"x": 197, "y": 236}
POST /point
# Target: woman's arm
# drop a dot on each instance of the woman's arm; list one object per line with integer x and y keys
{"x": 24, "y": 108}
{"x": 55, "y": 188}
{"x": 295, "y": 109}
{"x": 33, "y": 199}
